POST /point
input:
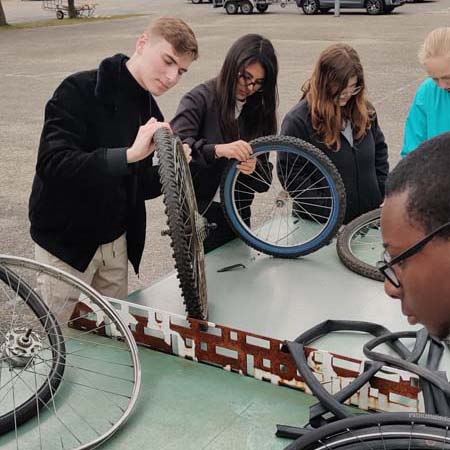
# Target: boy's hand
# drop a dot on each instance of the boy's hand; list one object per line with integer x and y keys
{"x": 143, "y": 145}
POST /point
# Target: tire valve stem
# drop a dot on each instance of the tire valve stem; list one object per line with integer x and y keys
{"x": 27, "y": 334}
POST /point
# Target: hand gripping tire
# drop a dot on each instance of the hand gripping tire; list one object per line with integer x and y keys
{"x": 359, "y": 245}
{"x": 12, "y": 335}
{"x": 187, "y": 228}
{"x": 291, "y": 205}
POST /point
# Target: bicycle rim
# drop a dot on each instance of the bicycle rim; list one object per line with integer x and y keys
{"x": 99, "y": 385}
{"x": 399, "y": 431}
{"x": 360, "y": 245}
{"x": 291, "y": 205}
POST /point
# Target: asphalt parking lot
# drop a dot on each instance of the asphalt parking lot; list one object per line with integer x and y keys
{"x": 35, "y": 60}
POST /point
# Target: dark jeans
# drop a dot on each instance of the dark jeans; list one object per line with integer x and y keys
{"x": 223, "y": 233}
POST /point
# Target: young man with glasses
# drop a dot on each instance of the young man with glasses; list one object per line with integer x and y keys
{"x": 415, "y": 225}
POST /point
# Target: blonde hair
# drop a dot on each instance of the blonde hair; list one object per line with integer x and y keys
{"x": 177, "y": 33}
{"x": 437, "y": 43}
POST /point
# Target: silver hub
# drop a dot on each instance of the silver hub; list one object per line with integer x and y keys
{"x": 282, "y": 199}
{"x": 20, "y": 346}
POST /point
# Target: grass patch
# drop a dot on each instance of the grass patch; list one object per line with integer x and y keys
{"x": 65, "y": 21}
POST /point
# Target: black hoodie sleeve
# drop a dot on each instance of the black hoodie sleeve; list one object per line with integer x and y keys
{"x": 62, "y": 154}
{"x": 381, "y": 155}
{"x": 188, "y": 124}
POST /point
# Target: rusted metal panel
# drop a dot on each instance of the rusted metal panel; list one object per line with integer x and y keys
{"x": 257, "y": 356}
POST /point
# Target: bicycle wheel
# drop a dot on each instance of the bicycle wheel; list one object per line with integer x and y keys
{"x": 78, "y": 380}
{"x": 399, "y": 431}
{"x": 187, "y": 228}
{"x": 359, "y": 245}
{"x": 21, "y": 343}
{"x": 291, "y": 205}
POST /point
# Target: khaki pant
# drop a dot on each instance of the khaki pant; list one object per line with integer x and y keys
{"x": 107, "y": 273}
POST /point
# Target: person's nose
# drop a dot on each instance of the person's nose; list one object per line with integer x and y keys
{"x": 250, "y": 87}
{"x": 172, "y": 75}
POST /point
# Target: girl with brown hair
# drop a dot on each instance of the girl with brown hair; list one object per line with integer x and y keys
{"x": 335, "y": 116}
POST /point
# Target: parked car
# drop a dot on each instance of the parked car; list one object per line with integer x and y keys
{"x": 196, "y": 2}
{"x": 372, "y": 7}
{"x": 247, "y": 6}
{"x": 309, "y": 7}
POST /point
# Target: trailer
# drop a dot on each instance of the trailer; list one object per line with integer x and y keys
{"x": 61, "y": 8}
{"x": 248, "y": 6}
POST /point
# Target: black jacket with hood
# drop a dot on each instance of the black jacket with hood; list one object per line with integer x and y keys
{"x": 363, "y": 166}
{"x": 84, "y": 192}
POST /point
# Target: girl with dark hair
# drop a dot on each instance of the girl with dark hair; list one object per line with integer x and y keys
{"x": 218, "y": 118}
{"x": 335, "y": 116}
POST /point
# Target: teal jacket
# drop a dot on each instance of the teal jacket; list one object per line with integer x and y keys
{"x": 428, "y": 116}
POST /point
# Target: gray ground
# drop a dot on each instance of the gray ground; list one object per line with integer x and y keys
{"x": 34, "y": 61}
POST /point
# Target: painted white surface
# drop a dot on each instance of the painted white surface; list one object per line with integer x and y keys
{"x": 281, "y": 298}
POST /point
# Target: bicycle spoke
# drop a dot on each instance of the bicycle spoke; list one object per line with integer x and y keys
{"x": 83, "y": 369}
{"x": 382, "y": 437}
{"x": 15, "y": 416}
{"x": 36, "y": 388}
{"x": 92, "y": 365}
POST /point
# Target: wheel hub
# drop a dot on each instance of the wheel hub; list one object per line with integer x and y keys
{"x": 20, "y": 346}
{"x": 282, "y": 199}
{"x": 201, "y": 226}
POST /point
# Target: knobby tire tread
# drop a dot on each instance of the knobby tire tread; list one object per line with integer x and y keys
{"x": 179, "y": 244}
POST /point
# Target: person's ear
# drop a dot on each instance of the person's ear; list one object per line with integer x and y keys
{"x": 141, "y": 43}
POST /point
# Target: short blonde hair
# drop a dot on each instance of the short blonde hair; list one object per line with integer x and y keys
{"x": 437, "y": 43}
{"x": 177, "y": 33}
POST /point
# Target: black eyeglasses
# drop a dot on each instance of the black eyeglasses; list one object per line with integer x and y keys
{"x": 351, "y": 91}
{"x": 247, "y": 80}
{"x": 386, "y": 266}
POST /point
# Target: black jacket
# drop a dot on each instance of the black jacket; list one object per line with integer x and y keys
{"x": 197, "y": 123}
{"x": 363, "y": 166}
{"x": 84, "y": 193}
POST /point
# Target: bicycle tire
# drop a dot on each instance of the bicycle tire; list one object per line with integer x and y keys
{"x": 347, "y": 245}
{"x": 42, "y": 396}
{"x": 101, "y": 365}
{"x": 284, "y": 198}
{"x": 187, "y": 228}
{"x": 379, "y": 431}
{"x": 332, "y": 403}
